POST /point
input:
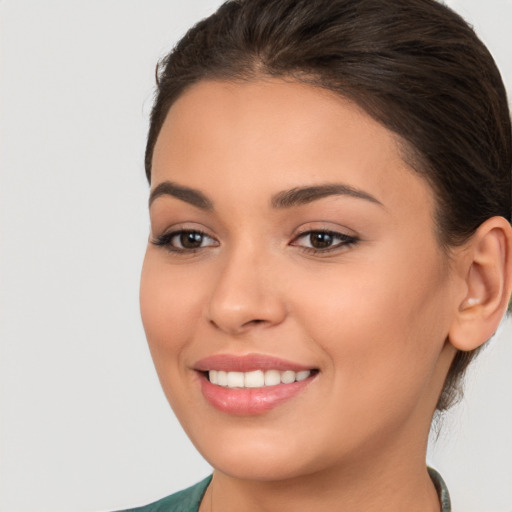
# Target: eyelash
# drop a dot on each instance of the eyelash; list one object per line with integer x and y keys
{"x": 345, "y": 241}
{"x": 165, "y": 240}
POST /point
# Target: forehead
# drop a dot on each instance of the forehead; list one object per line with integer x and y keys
{"x": 274, "y": 113}
{"x": 280, "y": 133}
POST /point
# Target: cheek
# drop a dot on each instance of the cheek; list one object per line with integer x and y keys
{"x": 382, "y": 325}
{"x": 170, "y": 302}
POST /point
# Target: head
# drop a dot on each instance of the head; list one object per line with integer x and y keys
{"x": 413, "y": 65}
{"x": 420, "y": 74}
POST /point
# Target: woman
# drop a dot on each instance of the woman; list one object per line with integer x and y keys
{"x": 330, "y": 246}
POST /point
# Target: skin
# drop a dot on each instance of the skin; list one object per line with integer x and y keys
{"x": 372, "y": 316}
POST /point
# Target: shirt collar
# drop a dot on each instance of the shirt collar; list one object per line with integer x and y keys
{"x": 442, "y": 490}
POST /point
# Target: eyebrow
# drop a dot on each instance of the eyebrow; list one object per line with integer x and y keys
{"x": 189, "y": 195}
{"x": 286, "y": 199}
{"x": 303, "y": 195}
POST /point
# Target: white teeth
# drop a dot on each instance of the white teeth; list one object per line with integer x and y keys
{"x": 302, "y": 375}
{"x": 272, "y": 378}
{"x": 256, "y": 378}
{"x": 235, "y": 380}
{"x": 287, "y": 377}
{"x": 222, "y": 378}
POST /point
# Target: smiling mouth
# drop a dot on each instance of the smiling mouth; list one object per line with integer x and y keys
{"x": 253, "y": 392}
{"x": 256, "y": 378}
{"x": 251, "y": 384}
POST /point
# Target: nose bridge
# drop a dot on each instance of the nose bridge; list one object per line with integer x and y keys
{"x": 246, "y": 292}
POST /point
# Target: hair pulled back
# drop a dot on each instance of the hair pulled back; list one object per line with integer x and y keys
{"x": 413, "y": 65}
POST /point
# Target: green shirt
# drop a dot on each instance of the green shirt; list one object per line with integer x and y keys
{"x": 189, "y": 499}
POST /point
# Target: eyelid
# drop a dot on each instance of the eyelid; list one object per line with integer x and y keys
{"x": 345, "y": 240}
{"x": 165, "y": 239}
{"x": 167, "y": 228}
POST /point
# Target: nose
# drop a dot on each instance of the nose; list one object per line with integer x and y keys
{"x": 246, "y": 294}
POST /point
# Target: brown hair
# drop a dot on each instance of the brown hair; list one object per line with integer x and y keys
{"x": 414, "y": 65}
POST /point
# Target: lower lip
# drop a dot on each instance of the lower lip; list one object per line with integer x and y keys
{"x": 250, "y": 401}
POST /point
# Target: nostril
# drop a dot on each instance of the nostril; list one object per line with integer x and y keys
{"x": 240, "y": 328}
{"x": 254, "y": 322}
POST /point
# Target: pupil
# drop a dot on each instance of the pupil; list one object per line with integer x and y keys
{"x": 191, "y": 240}
{"x": 321, "y": 240}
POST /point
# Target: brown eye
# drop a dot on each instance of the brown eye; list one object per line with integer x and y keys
{"x": 320, "y": 239}
{"x": 190, "y": 239}
{"x": 323, "y": 241}
{"x": 185, "y": 240}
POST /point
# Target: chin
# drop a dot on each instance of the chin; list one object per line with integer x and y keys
{"x": 259, "y": 469}
{"x": 269, "y": 456}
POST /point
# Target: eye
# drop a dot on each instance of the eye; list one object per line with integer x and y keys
{"x": 185, "y": 240}
{"x": 323, "y": 241}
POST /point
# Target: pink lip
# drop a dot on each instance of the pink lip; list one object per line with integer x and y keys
{"x": 249, "y": 401}
{"x": 247, "y": 363}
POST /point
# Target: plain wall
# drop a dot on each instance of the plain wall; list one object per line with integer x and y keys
{"x": 84, "y": 425}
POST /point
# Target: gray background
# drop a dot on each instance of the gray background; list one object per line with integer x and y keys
{"x": 84, "y": 424}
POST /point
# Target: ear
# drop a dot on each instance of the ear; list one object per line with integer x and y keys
{"x": 488, "y": 279}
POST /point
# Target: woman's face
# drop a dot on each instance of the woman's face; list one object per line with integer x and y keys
{"x": 293, "y": 260}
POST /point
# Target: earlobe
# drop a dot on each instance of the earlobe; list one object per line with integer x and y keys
{"x": 488, "y": 283}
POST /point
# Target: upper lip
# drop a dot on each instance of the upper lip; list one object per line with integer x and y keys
{"x": 247, "y": 363}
